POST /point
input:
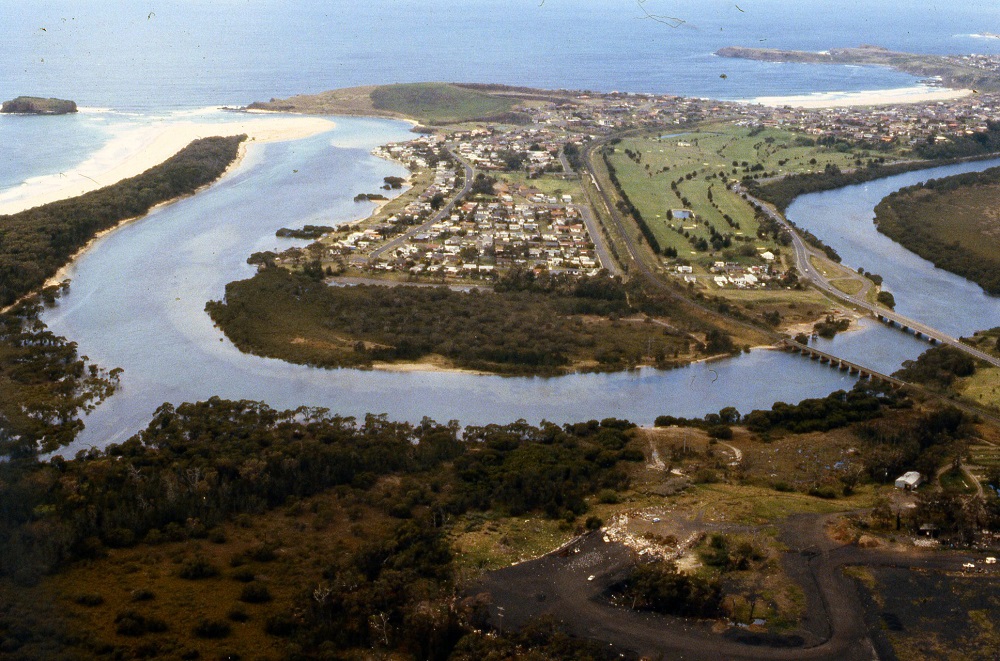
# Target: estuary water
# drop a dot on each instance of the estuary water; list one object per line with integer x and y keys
{"x": 137, "y": 297}
{"x": 137, "y": 301}
{"x": 843, "y": 219}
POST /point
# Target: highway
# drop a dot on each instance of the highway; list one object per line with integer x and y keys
{"x": 600, "y": 241}
{"x": 803, "y": 252}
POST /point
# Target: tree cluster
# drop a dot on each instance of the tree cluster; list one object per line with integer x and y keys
{"x": 938, "y": 366}
{"x": 529, "y": 325}
{"x": 838, "y": 409}
{"x": 44, "y": 384}
{"x": 35, "y": 243}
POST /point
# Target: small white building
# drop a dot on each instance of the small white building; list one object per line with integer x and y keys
{"x": 909, "y": 481}
{"x": 767, "y": 256}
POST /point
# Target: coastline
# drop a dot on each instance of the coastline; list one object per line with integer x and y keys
{"x": 155, "y": 145}
{"x": 60, "y": 276}
{"x": 902, "y": 95}
{"x": 268, "y": 132}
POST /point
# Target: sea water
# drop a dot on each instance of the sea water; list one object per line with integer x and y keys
{"x": 182, "y": 53}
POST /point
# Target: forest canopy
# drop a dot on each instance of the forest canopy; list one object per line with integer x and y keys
{"x": 36, "y": 242}
{"x": 527, "y": 325}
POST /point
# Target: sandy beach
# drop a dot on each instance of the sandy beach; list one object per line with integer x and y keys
{"x": 919, "y": 94}
{"x": 146, "y": 146}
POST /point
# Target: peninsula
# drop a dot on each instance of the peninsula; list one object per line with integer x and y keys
{"x": 33, "y": 105}
{"x": 954, "y": 71}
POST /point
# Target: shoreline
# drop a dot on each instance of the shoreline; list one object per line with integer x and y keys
{"x": 901, "y": 95}
{"x": 150, "y": 146}
{"x": 60, "y": 275}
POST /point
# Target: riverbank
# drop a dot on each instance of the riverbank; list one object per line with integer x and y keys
{"x": 903, "y": 95}
{"x": 146, "y": 147}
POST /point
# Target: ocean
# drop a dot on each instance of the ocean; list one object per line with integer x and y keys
{"x": 161, "y": 55}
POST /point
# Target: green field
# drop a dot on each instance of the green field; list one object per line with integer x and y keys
{"x": 702, "y": 163}
{"x": 428, "y": 103}
{"x": 438, "y": 103}
{"x": 548, "y": 185}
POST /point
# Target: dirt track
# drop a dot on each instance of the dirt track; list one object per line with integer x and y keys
{"x": 569, "y": 586}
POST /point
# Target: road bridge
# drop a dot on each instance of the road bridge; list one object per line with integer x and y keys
{"x": 838, "y": 363}
{"x": 803, "y": 255}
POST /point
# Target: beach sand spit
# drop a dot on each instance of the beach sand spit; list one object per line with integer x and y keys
{"x": 150, "y": 146}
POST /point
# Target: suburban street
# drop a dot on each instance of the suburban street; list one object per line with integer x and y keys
{"x": 442, "y": 213}
{"x": 600, "y": 241}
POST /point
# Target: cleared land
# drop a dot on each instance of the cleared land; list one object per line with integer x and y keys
{"x": 691, "y": 171}
{"x": 428, "y": 103}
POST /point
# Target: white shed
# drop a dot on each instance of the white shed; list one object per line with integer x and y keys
{"x": 910, "y": 480}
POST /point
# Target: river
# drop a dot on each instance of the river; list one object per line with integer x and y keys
{"x": 137, "y": 302}
{"x": 842, "y": 218}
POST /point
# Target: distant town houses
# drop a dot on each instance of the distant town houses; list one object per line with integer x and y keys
{"x": 526, "y": 227}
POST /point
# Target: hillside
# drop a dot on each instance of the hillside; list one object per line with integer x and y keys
{"x": 427, "y": 103}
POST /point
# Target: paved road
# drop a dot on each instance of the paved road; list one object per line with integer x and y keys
{"x": 565, "y": 163}
{"x": 600, "y": 241}
{"x": 652, "y": 277}
{"x": 803, "y": 252}
{"x": 442, "y": 213}
{"x": 571, "y": 585}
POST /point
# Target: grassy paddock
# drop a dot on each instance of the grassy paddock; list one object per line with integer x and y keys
{"x": 722, "y": 153}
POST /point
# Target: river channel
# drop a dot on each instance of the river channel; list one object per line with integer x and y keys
{"x": 137, "y": 302}
{"x": 843, "y": 219}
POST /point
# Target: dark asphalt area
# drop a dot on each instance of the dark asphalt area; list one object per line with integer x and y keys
{"x": 570, "y": 586}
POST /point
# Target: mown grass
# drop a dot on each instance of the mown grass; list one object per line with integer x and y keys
{"x": 711, "y": 152}
{"x": 849, "y": 286}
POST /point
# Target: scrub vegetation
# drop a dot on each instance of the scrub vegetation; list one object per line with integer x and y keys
{"x": 542, "y": 325}
{"x": 35, "y": 243}
{"x": 953, "y": 222}
{"x": 228, "y": 526}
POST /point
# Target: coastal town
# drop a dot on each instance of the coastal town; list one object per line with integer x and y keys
{"x": 483, "y": 197}
{"x": 390, "y": 367}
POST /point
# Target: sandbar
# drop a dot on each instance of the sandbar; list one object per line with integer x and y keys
{"x": 919, "y": 94}
{"x": 147, "y": 146}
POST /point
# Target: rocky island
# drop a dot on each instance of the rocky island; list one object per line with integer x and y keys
{"x": 958, "y": 72}
{"x": 33, "y": 105}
